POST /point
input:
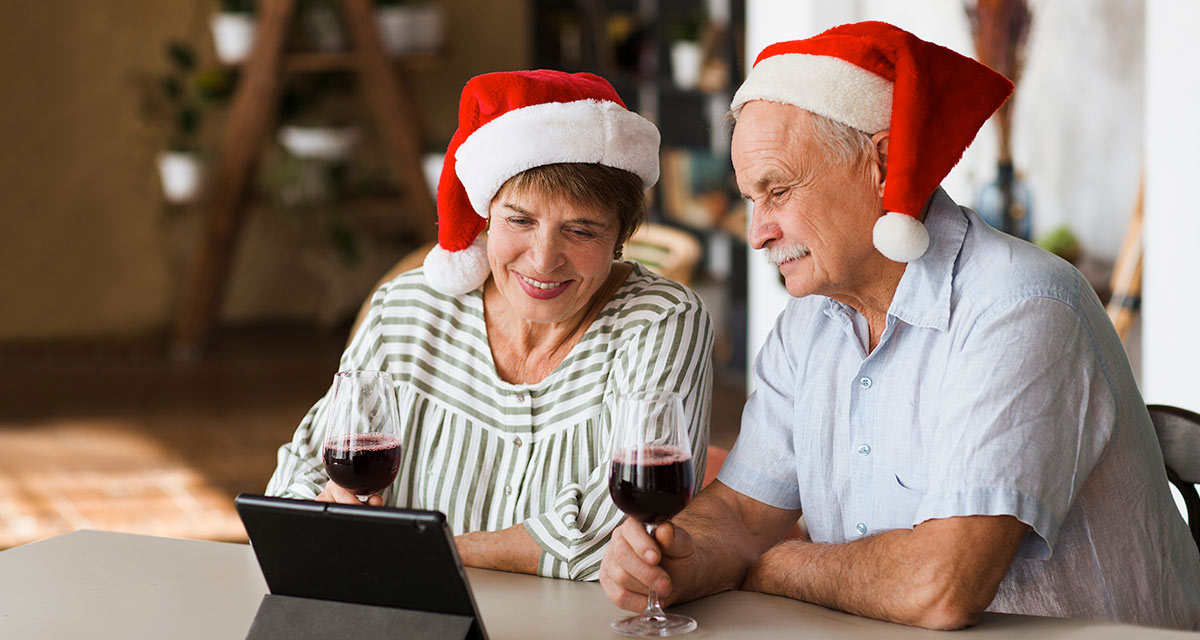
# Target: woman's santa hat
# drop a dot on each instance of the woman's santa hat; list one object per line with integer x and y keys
{"x": 873, "y": 76}
{"x": 513, "y": 121}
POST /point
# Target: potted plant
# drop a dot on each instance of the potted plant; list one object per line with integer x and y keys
{"x": 318, "y": 116}
{"x": 687, "y": 53}
{"x": 409, "y": 27}
{"x": 233, "y": 30}
{"x": 176, "y": 100}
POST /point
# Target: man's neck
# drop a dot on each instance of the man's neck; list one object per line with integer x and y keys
{"x": 875, "y": 298}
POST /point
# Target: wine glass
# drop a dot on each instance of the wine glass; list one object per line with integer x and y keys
{"x": 362, "y": 433}
{"x": 651, "y": 479}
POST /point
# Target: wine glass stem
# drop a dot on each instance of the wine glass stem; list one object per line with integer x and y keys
{"x": 653, "y": 606}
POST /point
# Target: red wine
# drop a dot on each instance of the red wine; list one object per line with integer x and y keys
{"x": 364, "y": 464}
{"x": 651, "y": 485}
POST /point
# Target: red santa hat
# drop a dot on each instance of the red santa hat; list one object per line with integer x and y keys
{"x": 874, "y": 76}
{"x": 513, "y": 121}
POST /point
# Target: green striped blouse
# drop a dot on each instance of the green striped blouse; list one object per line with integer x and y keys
{"x": 490, "y": 454}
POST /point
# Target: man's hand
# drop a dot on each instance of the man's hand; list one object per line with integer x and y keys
{"x": 336, "y": 493}
{"x": 705, "y": 549}
{"x": 634, "y": 563}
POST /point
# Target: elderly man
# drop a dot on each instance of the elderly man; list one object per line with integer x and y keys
{"x": 948, "y": 407}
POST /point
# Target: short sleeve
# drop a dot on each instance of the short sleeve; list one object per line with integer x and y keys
{"x": 1027, "y": 411}
{"x": 762, "y": 464}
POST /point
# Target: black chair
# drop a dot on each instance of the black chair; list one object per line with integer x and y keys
{"x": 1179, "y": 436}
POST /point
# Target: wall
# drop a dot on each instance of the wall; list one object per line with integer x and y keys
{"x": 1077, "y": 117}
{"x": 1170, "y": 294}
{"x": 86, "y": 250}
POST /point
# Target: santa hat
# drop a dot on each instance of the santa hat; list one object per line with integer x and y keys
{"x": 874, "y": 76}
{"x": 513, "y": 121}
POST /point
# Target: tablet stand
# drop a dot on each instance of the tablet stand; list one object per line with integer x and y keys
{"x": 298, "y": 618}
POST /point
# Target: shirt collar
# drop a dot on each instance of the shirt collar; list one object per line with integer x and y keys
{"x": 923, "y": 295}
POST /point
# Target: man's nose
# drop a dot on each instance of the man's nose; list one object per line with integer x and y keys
{"x": 763, "y": 229}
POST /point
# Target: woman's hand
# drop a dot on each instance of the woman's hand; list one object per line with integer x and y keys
{"x": 336, "y": 493}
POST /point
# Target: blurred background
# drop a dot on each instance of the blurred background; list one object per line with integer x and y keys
{"x": 196, "y": 196}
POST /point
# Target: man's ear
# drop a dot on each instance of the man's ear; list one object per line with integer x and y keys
{"x": 880, "y": 141}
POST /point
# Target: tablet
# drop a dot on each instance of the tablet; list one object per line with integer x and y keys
{"x": 380, "y": 556}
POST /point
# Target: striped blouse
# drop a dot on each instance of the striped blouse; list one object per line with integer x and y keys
{"x": 490, "y": 454}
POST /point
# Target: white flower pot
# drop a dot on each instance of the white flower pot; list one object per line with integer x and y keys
{"x": 411, "y": 29}
{"x": 233, "y": 36}
{"x": 686, "y": 58}
{"x": 319, "y": 143}
{"x": 182, "y": 176}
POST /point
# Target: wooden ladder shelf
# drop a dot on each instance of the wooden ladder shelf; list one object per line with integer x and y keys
{"x": 252, "y": 115}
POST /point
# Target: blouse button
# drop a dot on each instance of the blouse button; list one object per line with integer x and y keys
{"x": 520, "y": 397}
{"x": 517, "y": 441}
{"x": 508, "y": 490}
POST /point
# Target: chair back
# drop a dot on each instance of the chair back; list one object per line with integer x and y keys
{"x": 409, "y": 262}
{"x": 1178, "y": 433}
{"x": 671, "y": 253}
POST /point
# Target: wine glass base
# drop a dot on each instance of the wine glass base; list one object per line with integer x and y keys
{"x": 654, "y": 625}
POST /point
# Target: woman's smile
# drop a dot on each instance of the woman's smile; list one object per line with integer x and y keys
{"x": 541, "y": 289}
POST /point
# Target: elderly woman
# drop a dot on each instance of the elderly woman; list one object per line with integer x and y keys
{"x": 506, "y": 352}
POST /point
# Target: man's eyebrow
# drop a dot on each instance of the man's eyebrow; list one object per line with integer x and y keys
{"x": 762, "y": 183}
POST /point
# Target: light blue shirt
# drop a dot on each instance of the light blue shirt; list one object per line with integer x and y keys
{"x": 998, "y": 387}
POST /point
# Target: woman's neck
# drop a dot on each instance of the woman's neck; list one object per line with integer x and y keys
{"x": 526, "y": 352}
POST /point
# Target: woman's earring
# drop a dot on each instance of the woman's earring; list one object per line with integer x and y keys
{"x": 617, "y": 253}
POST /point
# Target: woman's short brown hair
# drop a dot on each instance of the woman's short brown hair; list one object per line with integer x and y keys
{"x": 588, "y": 185}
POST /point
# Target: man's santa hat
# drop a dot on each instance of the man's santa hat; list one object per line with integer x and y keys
{"x": 513, "y": 121}
{"x": 873, "y": 76}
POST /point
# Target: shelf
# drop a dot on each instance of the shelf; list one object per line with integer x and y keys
{"x": 318, "y": 61}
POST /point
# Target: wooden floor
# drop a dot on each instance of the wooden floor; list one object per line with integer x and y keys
{"x": 124, "y": 439}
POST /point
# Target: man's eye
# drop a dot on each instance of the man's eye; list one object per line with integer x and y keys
{"x": 520, "y": 222}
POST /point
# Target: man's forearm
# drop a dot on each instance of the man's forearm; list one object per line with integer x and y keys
{"x": 904, "y": 575}
{"x": 725, "y": 546}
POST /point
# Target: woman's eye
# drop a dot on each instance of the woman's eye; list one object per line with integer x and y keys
{"x": 581, "y": 233}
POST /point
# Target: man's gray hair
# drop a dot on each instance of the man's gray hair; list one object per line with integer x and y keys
{"x": 846, "y": 145}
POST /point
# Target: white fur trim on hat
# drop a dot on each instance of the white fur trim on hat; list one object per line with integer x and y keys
{"x": 824, "y": 85}
{"x": 457, "y": 272}
{"x": 591, "y": 131}
{"x": 900, "y": 237}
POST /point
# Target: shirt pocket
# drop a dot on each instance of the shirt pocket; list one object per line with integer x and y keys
{"x": 904, "y": 495}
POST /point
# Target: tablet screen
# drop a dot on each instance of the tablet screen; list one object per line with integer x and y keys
{"x": 399, "y": 558}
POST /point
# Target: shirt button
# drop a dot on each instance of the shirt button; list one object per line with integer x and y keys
{"x": 864, "y": 449}
{"x": 520, "y": 397}
{"x": 508, "y": 492}
{"x": 860, "y": 528}
{"x": 864, "y": 382}
{"x": 517, "y": 441}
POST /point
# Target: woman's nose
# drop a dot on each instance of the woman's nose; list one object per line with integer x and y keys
{"x": 546, "y": 254}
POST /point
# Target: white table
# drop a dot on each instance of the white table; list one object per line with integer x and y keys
{"x": 91, "y": 584}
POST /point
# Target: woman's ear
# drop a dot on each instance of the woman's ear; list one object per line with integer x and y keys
{"x": 880, "y": 141}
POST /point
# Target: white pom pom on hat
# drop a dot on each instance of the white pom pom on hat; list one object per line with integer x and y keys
{"x": 510, "y": 122}
{"x": 874, "y": 76}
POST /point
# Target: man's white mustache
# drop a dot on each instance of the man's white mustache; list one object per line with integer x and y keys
{"x": 779, "y": 255}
